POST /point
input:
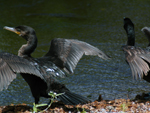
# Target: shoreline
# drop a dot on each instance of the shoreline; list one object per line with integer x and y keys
{"x": 101, "y": 106}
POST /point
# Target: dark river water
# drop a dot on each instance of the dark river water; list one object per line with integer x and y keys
{"x": 97, "y": 22}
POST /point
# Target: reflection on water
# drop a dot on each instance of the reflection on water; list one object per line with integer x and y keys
{"x": 99, "y": 23}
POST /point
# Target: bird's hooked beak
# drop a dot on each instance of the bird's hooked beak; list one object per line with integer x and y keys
{"x": 12, "y": 30}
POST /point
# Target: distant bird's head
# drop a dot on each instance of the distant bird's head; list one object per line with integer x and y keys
{"x": 127, "y": 23}
{"x": 146, "y": 31}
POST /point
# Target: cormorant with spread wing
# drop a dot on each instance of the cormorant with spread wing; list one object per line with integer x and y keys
{"x": 137, "y": 58}
{"x": 40, "y": 73}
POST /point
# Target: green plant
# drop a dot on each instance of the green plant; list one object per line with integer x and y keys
{"x": 124, "y": 107}
{"x": 83, "y": 110}
{"x": 35, "y": 107}
{"x": 53, "y": 97}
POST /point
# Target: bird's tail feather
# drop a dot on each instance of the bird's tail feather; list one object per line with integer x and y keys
{"x": 71, "y": 98}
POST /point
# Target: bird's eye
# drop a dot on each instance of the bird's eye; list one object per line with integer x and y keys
{"x": 18, "y": 30}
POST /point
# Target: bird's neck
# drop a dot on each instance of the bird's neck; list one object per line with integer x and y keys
{"x": 27, "y": 49}
{"x": 131, "y": 41}
{"x": 131, "y": 36}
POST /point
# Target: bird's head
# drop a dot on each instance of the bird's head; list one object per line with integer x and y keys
{"x": 127, "y": 23}
{"x": 22, "y": 30}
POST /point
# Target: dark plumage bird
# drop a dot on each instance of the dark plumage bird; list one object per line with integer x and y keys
{"x": 40, "y": 73}
{"x": 137, "y": 58}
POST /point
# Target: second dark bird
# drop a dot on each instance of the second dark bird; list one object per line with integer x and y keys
{"x": 137, "y": 58}
{"x": 40, "y": 73}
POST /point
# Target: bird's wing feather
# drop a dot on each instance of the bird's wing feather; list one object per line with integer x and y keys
{"x": 67, "y": 52}
{"x": 47, "y": 68}
{"x": 138, "y": 60}
{"x": 10, "y": 65}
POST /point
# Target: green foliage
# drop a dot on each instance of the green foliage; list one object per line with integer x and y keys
{"x": 124, "y": 107}
{"x": 35, "y": 107}
{"x": 53, "y": 97}
{"x": 83, "y": 110}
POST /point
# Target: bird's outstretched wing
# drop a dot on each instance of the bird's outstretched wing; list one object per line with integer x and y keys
{"x": 66, "y": 53}
{"x": 10, "y": 65}
{"x": 138, "y": 60}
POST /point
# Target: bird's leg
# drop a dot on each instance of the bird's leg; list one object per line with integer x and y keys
{"x": 36, "y": 100}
